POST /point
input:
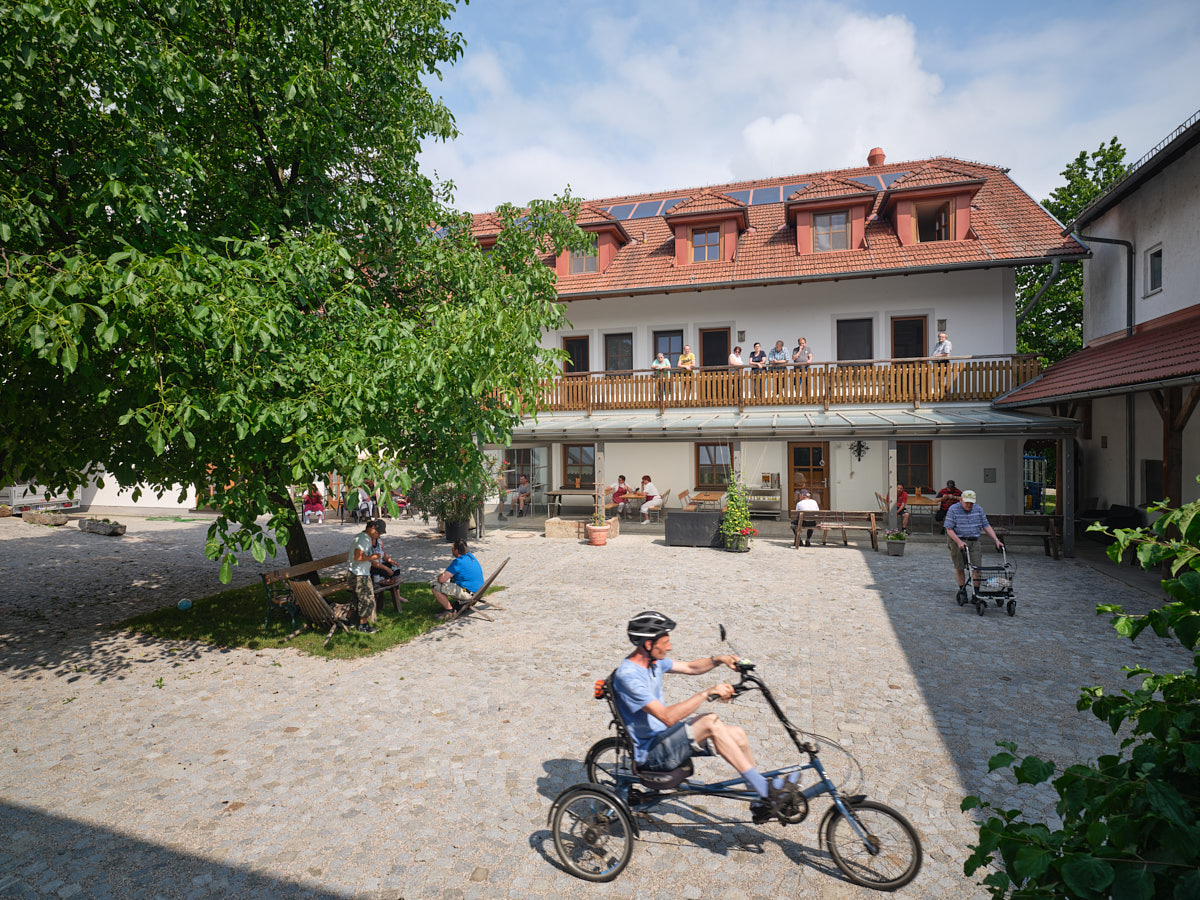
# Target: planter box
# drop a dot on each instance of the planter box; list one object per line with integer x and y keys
{"x": 693, "y": 529}
{"x": 895, "y": 548}
{"x": 576, "y": 529}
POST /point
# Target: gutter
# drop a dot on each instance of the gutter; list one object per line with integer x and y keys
{"x": 1129, "y": 251}
{"x": 800, "y": 279}
{"x": 1053, "y": 277}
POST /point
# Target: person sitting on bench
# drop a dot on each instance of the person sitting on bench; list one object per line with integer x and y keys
{"x": 458, "y": 584}
{"x": 666, "y": 737}
{"x": 314, "y": 504}
{"x": 385, "y": 568}
{"x": 806, "y": 515}
{"x": 519, "y": 496}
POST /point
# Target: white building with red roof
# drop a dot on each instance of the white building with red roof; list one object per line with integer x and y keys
{"x": 868, "y": 264}
{"x": 1136, "y": 383}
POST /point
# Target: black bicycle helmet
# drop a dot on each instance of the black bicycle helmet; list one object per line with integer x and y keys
{"x": 648, "y": 626}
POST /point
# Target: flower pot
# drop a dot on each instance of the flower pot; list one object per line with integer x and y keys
{"x": 597, "y": 535}
{"x": 457, "y": 531}
{"x": 896, "y": 548}
{"x": 739, "y": 544}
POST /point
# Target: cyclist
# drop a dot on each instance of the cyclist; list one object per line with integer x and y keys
{"x": 665, "y": 737}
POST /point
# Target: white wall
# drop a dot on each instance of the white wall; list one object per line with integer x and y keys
{"x": 112, "y": 495}
{"x": 1166, "y": 211}
{"x": 977, "y": 304}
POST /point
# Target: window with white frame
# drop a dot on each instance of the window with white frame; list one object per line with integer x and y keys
{"x": 1154, "y": 273}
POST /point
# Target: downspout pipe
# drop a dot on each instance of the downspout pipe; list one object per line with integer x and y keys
{"x": 1130, "y": 473}
{"x": 1053, "y": 277}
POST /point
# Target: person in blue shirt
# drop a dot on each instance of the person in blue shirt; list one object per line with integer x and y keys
{"x": 965, "y": 522}
{"x": 665, "y": 737}
{"x": 458, "y": 584}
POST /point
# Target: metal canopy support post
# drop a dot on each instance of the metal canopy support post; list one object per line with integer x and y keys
{"x": 893, "y": 477}
{"x": 598, "y": 499}
{"x": 1066, "y": 495}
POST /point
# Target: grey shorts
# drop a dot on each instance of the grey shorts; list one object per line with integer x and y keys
{"x": 451, "y": 590}
{"x": 674, "y": 747}
{"x": 973, "y": 553}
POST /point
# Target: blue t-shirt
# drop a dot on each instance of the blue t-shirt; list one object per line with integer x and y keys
{"x": 635, "y": 686}
{"x": 466, "y": 572}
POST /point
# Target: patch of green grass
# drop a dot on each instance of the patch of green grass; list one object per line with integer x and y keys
{"x": 234, "y": 618}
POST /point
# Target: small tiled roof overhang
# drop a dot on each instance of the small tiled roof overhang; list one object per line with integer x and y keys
{"x": 1166, "y": 353}
{"x": 849, "y": 423}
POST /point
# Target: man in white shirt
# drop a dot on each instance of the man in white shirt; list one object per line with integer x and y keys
{"x": 653, "y": 499}
{"x": 941, "y": 350}
{"x": 806, "y": 509}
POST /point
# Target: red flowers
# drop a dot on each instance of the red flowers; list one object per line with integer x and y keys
{"x": 749, "y": 531}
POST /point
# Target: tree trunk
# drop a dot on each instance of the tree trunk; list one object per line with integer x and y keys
{"x": 298, "y": 550}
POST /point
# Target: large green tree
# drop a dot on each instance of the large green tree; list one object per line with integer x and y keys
{"x": 1053, "y": 330}
{"x": 223, "y": 267}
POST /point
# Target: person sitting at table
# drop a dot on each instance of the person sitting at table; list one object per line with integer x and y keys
{"x": 947, "y": 497}
{"x": 367, "y": 508}
{"x": 314, "y": 503}
{"x": 902, "y": 513}
{"x": 806, "y": 508}
{"x": 620, "y": 493}
{"x": 518, "y": 497}
{"x": 456, "y": 586}
{"x": 653, "y": 499}
{"x": 687, "y": 359}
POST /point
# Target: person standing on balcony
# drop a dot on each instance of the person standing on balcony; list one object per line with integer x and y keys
{"x": 801, "y": 355}
{"x": 687, "y": 359}
{"x": 758, "y": 357}
{"x": 661, "y": 368}
{"x": 735, "y": 358}
{"x": 777, "y": 358}
{"x": 941, "y": 350}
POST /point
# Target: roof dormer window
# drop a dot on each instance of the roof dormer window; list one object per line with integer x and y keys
{"x": 831, "y": 231}
{"x": 706, "y": 244}
{"x": 585, "y": 261}
{"x": 933, "y": 221}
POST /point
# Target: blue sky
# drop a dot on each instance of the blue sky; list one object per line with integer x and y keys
{"x": 624, "y": 97}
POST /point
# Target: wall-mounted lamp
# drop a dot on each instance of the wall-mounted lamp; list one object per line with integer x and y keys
{"x": 859, "y": 449}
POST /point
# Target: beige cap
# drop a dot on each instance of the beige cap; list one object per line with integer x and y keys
{"x": 968, "y": 497}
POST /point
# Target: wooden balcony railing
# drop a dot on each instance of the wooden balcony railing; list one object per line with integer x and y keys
{"x": 819, "y": 384}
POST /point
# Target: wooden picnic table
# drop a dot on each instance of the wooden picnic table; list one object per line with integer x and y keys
{"x": 703, "y": 498}
{"x": 555, "y": 498}
{"x": 923, "y": 506}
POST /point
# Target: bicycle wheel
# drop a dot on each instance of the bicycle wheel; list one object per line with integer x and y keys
{"x": 593, "y": 834}
{"x": 890, "y": 857}
{"x": 605, "y": 759}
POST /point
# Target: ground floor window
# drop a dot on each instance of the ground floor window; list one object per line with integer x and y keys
{"x": 713, "y": 462}
{"x": 579, "y": 465}
{"x": 914, "y": 465}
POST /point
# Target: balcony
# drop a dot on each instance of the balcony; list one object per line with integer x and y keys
{"x": 961, "y": 379}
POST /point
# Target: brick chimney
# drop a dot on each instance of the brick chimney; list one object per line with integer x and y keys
{"x": 875, "y": 157}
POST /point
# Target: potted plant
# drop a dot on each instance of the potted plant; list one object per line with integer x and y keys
{"x": 453, "y": 504}
{"x": 735, "y": 528}
{"x": 597, "y": 529}
{"x": 895, "y": 541}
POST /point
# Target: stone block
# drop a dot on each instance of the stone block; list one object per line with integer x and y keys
{"x": 41, "y": 518}
{"x": 95, "y": 526}
{"x": 576, "y": 529}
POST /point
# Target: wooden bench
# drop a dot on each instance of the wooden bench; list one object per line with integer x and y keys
{"x": 280, "y": 595}
{"x": 842, "y": 520}
{"x": 1048, "y": 528}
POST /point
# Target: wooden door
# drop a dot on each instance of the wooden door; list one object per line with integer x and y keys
{"x": 714, "y": 347}
{"x": 808, "y": 467}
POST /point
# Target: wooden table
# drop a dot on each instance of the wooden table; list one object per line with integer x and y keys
{"x": 555, "y": 498}
{"x": 703, "y": 498}
{"x": 923, "y": 506}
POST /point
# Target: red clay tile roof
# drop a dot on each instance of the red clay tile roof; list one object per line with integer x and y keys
{"x": 1170, "y": 349}
{"x": 933, "y": 174}
{"x": 1008, "y": 227}
{"x": 705, "y": 201}
{"x": 591, "y": 214}
{"x": 830, "y": 186}
{"x": 485, "y": 225}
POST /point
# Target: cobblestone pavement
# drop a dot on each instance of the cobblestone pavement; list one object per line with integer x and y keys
{"x": 137, "y": 768}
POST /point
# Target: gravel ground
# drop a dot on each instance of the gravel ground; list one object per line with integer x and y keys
{"x": 138, "y": 768}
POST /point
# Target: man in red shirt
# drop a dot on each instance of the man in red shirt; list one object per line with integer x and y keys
{"x": 948, "y": 496}
{"x": 902, "y": 506}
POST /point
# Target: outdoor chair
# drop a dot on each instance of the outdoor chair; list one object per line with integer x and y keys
{"x": 316, "y": 611}
{"x": 656, "y": 513}
{"x": 537, "y": 494}
{"x": 469, "y": 607}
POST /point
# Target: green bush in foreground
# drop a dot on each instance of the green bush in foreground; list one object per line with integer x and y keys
{"x": 1129, "y": 820}
{"x": 234, "y": 618}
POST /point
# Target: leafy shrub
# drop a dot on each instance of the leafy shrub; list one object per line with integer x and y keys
{"x": 1129, "y": 820}
{"x": 735, "y": 523}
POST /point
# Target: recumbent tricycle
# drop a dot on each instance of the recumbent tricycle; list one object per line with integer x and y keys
{"x": 593, "y": 824}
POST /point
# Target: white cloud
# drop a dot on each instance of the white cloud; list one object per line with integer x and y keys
{"x": 655, "y": 96}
